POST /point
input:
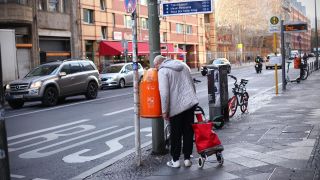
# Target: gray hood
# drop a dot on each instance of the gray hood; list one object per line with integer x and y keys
{"x": 172, "y": 64}
{"x": 32, "y": 79}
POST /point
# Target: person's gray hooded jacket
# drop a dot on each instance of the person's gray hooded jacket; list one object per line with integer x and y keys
{"x": 176, "y": 86}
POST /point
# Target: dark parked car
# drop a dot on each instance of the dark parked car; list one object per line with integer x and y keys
{"x": 215, "y": 63}
{"x": 54, "y": 81}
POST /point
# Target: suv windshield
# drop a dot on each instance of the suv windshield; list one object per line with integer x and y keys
{"x": 43, "y": 70}
{"x": 112, "y": 69}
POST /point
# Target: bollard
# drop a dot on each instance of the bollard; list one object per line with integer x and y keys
{"x": 218, "y": 92}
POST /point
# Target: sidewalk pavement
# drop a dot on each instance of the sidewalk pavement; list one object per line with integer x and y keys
{"x": 277, "y": 139}
{"x": 233, "y": 66}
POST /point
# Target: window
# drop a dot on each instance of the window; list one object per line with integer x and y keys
{"x": 164, "y": 37}
{"x": 53, "y": 6}
{"x": 22, "y": 2}
{"x": 88, "y": 16}
{"x": 63, "y": 6}
{"x": 201, "y": 40}
{"x": 87, "y": 66}
{"x": 129, "y": 67}
{"x": 143, "y": 2}
{"x": 41, "y": 5}
{"x": 103, "y": 5}
{"x": 179, "y": 28}
{"x": 66, "y": 69}
{"x": 189, "y": 29}
{"x": 104, "y": 32}
{"x": 113, "y": 19}
{"x": 75, "y": 67}
{"x": 89, "y": 50}
{"x": 127, "y": 22}
{"x": 144, "y": 23}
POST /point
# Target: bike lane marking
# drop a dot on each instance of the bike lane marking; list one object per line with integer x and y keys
{"x": 37, "y": 154}
{"x": 50, "y": 136}
{"x": 68, "y": 105}
{"x": 117, "y": 112}
{"x": 47, "y": 129}
{"x": 113, "y": 146}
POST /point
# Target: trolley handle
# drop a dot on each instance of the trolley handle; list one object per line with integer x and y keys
{"x": 196, "y": 81}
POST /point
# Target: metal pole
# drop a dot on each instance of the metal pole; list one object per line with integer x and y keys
{"x": 158, "y": 146}
{"x": 4, "y": 155}
{"x": 136, "y": 89}
{"x": 317, "y": 41}
{"x": 283, "y": 65}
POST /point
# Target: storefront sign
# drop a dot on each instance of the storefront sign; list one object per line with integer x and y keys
{"x": 117, "y": 35}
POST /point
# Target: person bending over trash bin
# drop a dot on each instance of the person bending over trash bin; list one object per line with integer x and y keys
{"x": 178, "y": 102}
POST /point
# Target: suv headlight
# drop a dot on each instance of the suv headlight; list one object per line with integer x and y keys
{"x": 8, "y": 87}
{"x": 36, "y": 85}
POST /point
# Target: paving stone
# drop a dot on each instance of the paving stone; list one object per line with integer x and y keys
{"x": 248, "y": 162}
{"x": 292, "y": 174}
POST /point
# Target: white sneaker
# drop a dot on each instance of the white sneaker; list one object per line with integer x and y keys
{"x": 174, "y": 164}
{"x": 187, "y": 163}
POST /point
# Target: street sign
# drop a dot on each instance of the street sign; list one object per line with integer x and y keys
{"x": 274, "y": 24}
{"x": 130, "y": 5}
{"x": 187, "y": 7}
{"x": 296, "y": 27}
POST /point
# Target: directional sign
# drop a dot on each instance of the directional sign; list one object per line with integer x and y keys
{"x": 130, "y": 5}
{"x": 296, "y": 27}
{"x": 187, "y": 7}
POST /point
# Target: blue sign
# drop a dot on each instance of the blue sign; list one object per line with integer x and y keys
{"x": 130, "y": 5}
{"x": 187, "y": 7}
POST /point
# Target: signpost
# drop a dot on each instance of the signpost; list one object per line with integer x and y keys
{"x": 187, "y": 7}
{"x": 130, "y": 6}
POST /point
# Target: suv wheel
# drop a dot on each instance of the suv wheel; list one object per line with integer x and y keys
{"x": 50, "y": 96}
{"x": 92, "y": 90}
{"x": 16, "y": 104}
{"x": 122, "y": 83}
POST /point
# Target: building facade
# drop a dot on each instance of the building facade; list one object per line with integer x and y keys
{"x": 45, "y": 30}
{"x": 106, "y": 29}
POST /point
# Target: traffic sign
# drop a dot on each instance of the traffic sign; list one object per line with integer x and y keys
{"x": 296, "y": 27}
{"x": 187, "y": 7}
{"x": 130, "y": 5}
{"x": 274, "y": 24}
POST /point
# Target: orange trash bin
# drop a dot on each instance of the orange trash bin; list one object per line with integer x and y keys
{"x": 297, "y": 63}
{"x": 150, "y": 103}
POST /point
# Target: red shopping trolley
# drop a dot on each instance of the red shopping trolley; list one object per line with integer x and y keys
{"x": 207, "y": 141}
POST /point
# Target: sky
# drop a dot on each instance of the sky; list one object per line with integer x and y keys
{"x": 309, "y": 4}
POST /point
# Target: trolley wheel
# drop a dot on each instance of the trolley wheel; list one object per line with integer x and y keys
{"x": 220, "y": 158}
{"x": 201, "y": 161}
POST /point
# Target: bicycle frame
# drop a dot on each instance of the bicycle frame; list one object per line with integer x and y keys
{"x": 240, "y": 97}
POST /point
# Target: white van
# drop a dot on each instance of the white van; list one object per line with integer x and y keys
{"x": 272, "y": 60}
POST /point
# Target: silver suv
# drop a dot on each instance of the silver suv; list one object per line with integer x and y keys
{"x": 53, "y": 82}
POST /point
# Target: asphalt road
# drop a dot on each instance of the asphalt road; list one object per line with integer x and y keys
{"x": 80, "y": 137}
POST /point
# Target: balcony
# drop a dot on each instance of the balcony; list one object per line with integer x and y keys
{"x": 15, "y": 13}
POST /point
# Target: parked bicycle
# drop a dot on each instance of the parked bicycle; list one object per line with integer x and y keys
{"x": 304, "y": 69}
{"x": 240, "y": 97}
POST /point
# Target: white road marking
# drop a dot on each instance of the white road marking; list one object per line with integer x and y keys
{"x": 63, "y": 106}
{"x": 51, "y": 136}
{"x": 112, "y": 146}
{"x": 120, "y": 111}
{"x": 17, "y": 176}
{"x": 38, "y": 153}
{"x": 47, "y": 129}
{"x": 108, "y": 163}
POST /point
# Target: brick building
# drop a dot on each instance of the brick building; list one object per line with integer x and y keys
{"x": 105, "y": 25}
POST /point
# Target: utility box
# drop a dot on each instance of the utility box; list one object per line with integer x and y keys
{"x": 218, "y": 92}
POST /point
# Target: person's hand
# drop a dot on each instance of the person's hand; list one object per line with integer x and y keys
{"x": 165, "y": 116}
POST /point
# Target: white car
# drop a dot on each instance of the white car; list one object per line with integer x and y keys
{"x": 272, "y": 60}
{"x": 119, "y": 75}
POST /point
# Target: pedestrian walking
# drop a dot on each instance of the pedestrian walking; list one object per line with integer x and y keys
{"x": 178, "y": 101}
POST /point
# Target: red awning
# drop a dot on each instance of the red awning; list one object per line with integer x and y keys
{"x": 114, "y": 48}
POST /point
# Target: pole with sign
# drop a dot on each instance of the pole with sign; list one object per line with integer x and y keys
{"x": 130, "y": 6}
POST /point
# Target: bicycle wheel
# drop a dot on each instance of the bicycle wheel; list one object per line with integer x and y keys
{"x": 305, "y": 74}
{"x": 232, "y": 106}
{"x": 244, "y": 105}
